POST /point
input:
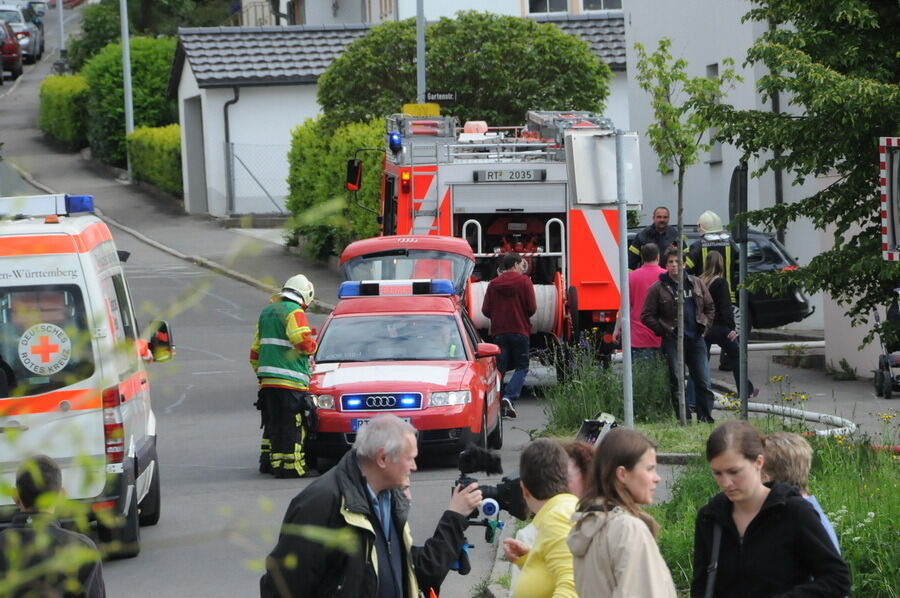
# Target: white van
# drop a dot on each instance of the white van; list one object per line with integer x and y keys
{"x": 72, "y": 379}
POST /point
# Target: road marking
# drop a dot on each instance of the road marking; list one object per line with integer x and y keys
{"x": 179, "y": 401}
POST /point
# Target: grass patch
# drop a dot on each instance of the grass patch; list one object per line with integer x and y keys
{"x": 671, "y": 438}
{"x": 859, "y": 488}
{"x": 505, "y": 580}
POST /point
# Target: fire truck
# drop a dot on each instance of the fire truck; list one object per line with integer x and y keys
{"x": 546, "y": 190}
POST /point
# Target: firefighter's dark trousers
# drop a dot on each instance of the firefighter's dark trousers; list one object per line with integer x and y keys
{"x": 284, "y": 432}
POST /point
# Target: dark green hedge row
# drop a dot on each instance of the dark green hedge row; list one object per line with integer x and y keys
{"x": 156, "y": 156}
{"x": 328, "y": 216}
{"x": 151, "y": 61}
{"x": 62, "y": 109}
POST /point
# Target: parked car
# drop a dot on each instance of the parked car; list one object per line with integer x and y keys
{"x": 764, "y": 254}
{"x": 10, "y": 50}
{"x": 30, "y": 35}
{"x": 38, "y": 9}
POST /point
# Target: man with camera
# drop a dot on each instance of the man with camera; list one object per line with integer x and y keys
{"x": 547, "y": 566}
{"x": 366, "y": 496}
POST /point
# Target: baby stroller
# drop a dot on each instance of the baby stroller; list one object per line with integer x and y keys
{"x": 887, "y": 379}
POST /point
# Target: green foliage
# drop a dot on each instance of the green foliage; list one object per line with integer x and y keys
{"x": 323, "y": 211}
{"x": 590, "y": 389}
{"x": 99, "y": 27}
{"x": 156, "y": 156}
{"x": 63, "y": 104}
{"x": 151, "y": 60}
{"x": 836, "y": 62}
{"x": 499, "y": 67}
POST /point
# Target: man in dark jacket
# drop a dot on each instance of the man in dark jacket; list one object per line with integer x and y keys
{"x": 659, "y": 233}
{"x": 659, "y": 313}
{"x": 36, "y": 540}
{"x": 363, "y": 501}
{"x": 509, "y": 302}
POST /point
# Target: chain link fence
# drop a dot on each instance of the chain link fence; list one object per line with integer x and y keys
{"x": 258, "y": 178}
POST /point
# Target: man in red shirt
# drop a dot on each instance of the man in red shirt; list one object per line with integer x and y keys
{"x": 509, "y": 302}
{"x": 644, "y": 342}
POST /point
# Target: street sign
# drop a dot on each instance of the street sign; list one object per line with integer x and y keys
{"x": 440, "y": 96}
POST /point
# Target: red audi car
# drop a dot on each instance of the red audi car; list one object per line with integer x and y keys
{"x": 404, "y": 347}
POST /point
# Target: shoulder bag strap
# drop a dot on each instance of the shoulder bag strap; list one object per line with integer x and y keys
{"x": 713, "y": 562}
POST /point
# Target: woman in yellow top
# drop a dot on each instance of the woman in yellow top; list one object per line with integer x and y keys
{"x": 547, "y": 565}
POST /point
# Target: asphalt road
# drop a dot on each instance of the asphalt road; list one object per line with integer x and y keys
{"x": 220, "y": 516}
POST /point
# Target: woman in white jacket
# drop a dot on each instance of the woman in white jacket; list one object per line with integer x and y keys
{"x": 613, "y": 541}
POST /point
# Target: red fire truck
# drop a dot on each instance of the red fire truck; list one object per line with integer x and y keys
{"x": 546, "y": 190}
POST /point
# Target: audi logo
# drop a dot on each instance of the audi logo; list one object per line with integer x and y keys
{"x": 381, "y": 401}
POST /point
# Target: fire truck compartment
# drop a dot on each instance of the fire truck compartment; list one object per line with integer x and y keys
{"x": 509, "y": 198}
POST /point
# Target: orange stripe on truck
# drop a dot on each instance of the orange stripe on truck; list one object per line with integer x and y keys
{"x": 55, "y": 244}
{"x": 61, "y": 400}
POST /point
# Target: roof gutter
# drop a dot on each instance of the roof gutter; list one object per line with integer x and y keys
{"x": 229, "y": 160}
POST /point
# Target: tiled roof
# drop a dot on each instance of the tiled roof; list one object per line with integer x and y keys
{"x": 229, "y": 56}
{"x": 604, "y": 32}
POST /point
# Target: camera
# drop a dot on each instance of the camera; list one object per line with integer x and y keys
{"x": 506, "y": 496}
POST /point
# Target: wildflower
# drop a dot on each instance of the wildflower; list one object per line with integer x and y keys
{"x": 870, "y": 515}
{"x": 856, "y": 538}
{"x": 776, "y": 378}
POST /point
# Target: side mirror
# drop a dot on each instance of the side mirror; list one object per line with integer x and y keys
{"x": 161, "y": 344}
{"x": 354, "y": 174}
{"x": 487, "y": 350}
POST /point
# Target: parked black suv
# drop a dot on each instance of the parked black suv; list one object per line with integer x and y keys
{"x": 764, "y": 254}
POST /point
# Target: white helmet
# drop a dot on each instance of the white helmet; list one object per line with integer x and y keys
{"x": 709, "y": 222}
{"x": 298, "y": 289}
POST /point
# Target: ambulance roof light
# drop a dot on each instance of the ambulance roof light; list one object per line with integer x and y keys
{"x": 59, "y": 204}
{"x": 384, "y": 288}
{"x": 79, "y": 203}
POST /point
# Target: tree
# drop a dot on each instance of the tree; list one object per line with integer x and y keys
{"x": 677, "y": 138}
{"x": 499, "y": 67}
{"x": 839, "y": 62}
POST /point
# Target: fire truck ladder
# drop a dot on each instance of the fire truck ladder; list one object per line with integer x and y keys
{"x": 479, "y": 251}
{"x": 428, "y": 209}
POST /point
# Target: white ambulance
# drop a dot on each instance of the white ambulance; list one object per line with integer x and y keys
{"x": 73, "y": 383}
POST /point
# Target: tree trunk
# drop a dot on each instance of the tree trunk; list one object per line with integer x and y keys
{"x": 679, "y": 317}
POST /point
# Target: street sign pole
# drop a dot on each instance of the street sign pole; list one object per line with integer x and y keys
{"x": 737, "y": 206}
{"x": 420, "y": 51}
{"x": 624, "y": 299}
{"x": 126, "y": 77}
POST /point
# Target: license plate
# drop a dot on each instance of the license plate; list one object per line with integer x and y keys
{"x": 359, "y": 422}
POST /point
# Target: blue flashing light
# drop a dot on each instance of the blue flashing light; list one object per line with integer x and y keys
{"x": 385, "y": 288}
{"x": 409, "y": 401}
{"x": 79, "y": 203}
{"x": 353, "y": 403}
{"x": 442, "y": 286}
{"x": 386, "y": 401}
{"x": 349, "y": 288}
{"x": 395, "y": 141}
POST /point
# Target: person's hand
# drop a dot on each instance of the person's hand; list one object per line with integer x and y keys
{"x": 617, "y": 334}
{"x": 514, "y": 549}
{"x": 465, "y": 500}
{"x": 732, "y": 335}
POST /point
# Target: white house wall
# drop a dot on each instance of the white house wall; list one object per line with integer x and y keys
{"x": 704, "y": 32}
{"x": 617, "y": 101}
{"x": 435, "y": 9}
{"x": 187, "y": 88}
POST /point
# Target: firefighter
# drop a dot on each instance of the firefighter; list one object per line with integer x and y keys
{"x": 280, "y": 359}
{"x": 714, "y": 238}
{"x": 659, "y": 233}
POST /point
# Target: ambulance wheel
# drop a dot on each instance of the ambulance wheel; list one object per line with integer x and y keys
{"x": 495, "y": 440}
{"x": 123, "y": 539}
{"x": 150, "y": 507}
{"x": 879, "y": 383}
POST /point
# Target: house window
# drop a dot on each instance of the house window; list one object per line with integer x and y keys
{"x": 601, "y": 4}
{"x": 540, "y": 6}
{"x": 715, "y": 152}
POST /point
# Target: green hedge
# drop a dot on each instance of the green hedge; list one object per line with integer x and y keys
{"x": 156, "y": 156}
{"x": 63, "y": 104}
{"x": 151, "y": 61}
{"x": 323, "y": 211}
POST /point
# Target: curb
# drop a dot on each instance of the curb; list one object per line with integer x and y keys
{"x": 316, "y": 307}
{"x": 501, "y": 566}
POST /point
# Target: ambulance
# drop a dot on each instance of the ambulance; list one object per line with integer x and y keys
{"x": 73, "y": 381}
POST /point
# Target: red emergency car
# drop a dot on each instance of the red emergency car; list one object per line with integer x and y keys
{"x": 404, "y": 347}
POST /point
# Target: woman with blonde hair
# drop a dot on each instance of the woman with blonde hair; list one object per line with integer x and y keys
{"x": 613, "y": 541}
{"x": 722, "y": 331}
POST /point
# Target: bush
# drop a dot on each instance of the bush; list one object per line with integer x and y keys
{"x": 156, "y": 156}
{"x": 151, "y": 61}
{"x": 63, "y": 104}
{"x": 99, "y": 26}
{"x": 856, "y": 486}
{"x": 590, "y": 388}
{"x": 322, "y": 211}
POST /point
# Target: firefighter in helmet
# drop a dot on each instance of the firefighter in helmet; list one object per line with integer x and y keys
{"x": 713, "y": 238}
{"x": 280, "y": 359}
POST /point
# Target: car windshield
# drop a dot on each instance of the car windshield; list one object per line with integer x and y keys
{"x": 407, "y": 264}
{"x": 10, "y": 16}
{"x": 391, "y": 338}
{"x": 45, "y": 342}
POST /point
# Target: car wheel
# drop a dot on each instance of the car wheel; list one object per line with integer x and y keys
{"x": 122, "y": 539}
{"x": 495, "y": 440}
{"x": 887, "y": 384}
{"x": 17, "y": 72}
{"x": 879, "y": 383}
{"x": 149, "y": 508}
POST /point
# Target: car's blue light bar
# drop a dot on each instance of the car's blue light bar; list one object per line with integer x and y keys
{"x": 386, "y": 401}
{"x": 382, "y": 288}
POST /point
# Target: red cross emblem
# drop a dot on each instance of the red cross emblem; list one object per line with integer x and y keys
{"x": 44, "y": 349}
